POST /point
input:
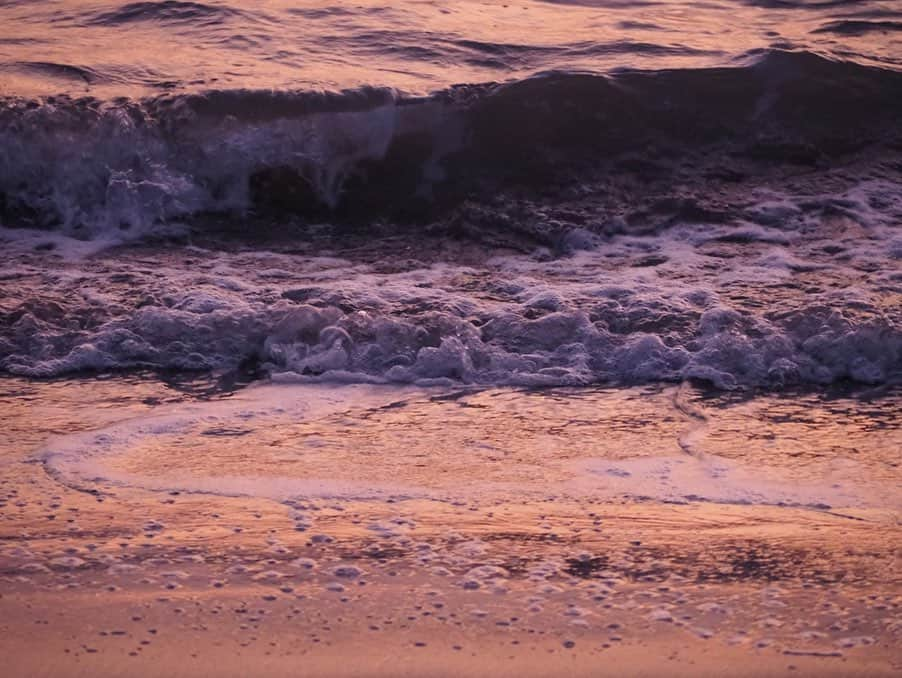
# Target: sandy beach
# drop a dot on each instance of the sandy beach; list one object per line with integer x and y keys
{"x": 452, "y": 572}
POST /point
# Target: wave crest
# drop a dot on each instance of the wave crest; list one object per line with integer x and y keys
{"x": 90, "y": 166}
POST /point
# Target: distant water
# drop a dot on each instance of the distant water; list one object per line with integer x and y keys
{"x": 137, "y": 49}
{"x": 531, "y": 193}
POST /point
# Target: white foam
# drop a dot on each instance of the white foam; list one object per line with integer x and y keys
{"x": 591, "y": 317}
{"x": 653, "y": 447}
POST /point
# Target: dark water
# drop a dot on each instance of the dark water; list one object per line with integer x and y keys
{"x": 540, "y": 193}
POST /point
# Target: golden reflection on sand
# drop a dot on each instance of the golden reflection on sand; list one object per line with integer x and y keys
{"x": 129, "y": 578}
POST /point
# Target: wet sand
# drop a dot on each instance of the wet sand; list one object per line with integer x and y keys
{"x": 488, "y": 550}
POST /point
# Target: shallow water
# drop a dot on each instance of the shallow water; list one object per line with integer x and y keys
{"x": 296, "y": 443}
{"x": 738, "y": 305}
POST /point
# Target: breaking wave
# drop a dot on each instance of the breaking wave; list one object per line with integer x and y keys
{"x": 87, "y": 166}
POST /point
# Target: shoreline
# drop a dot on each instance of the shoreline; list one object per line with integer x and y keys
{"x": 344, "y": 586}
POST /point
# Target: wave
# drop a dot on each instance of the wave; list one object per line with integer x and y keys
{"x": 58, "y": 71}
{"x": 321, "y": 334}
{"x": 812, "y": 5}
{"x": 195, "y": 13}
{"x": 88, "y": 166}
{"x": 853, "y": 27}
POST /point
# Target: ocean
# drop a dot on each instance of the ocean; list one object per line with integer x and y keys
{"x": 532, "y": 306}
